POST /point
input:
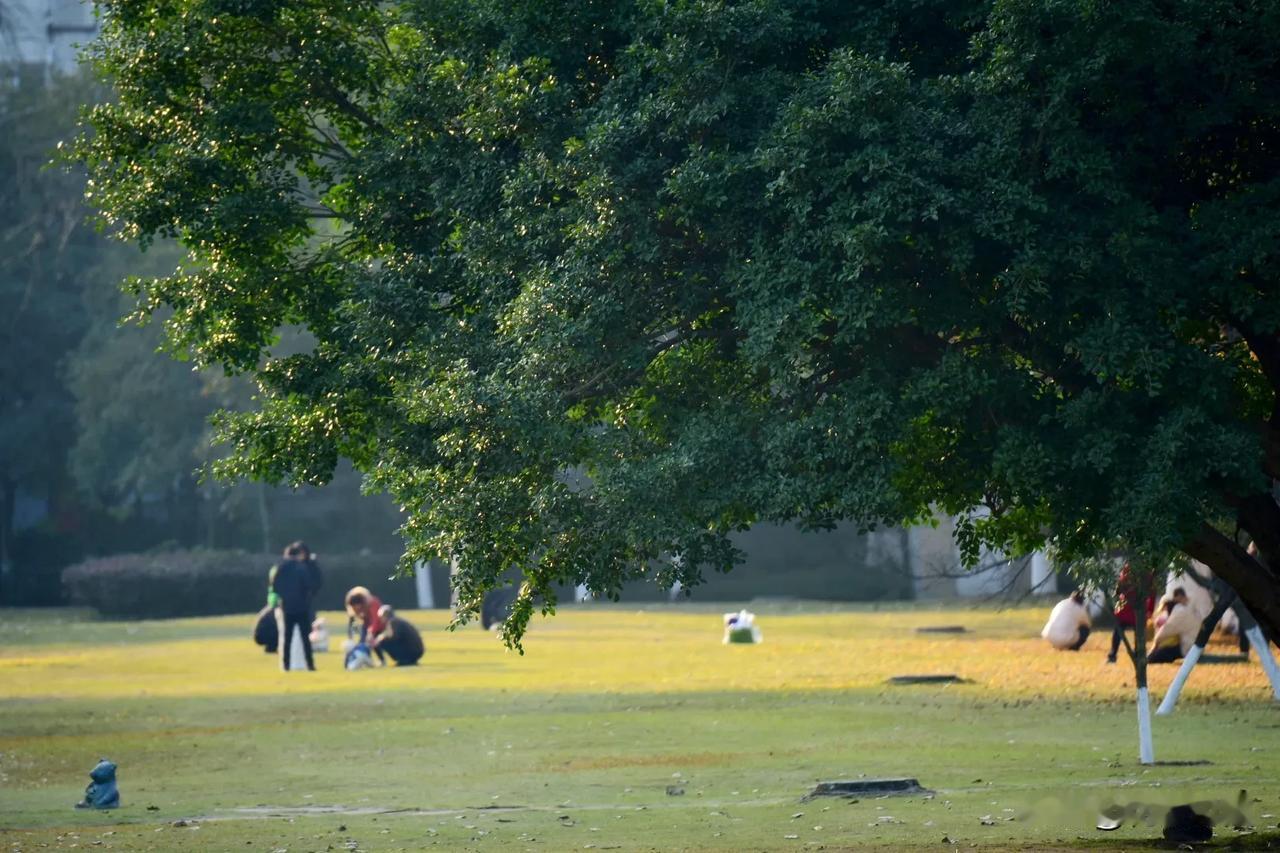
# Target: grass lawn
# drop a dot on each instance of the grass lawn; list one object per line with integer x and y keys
{"x": 619, "y": 729}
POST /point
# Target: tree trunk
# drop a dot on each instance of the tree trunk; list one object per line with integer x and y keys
{"x": 264, "y": 518}
{"x": 1225, "y": 599}
{"x": 210, "y": 519}
{"x": 8, "y": 505}
{"x": 1146, "y": 749}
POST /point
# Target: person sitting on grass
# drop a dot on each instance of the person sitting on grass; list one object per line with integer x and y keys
{"x": 1177, "y": 635}
{"x": 1069, "y": 624}
{"x": 399, "y": 640}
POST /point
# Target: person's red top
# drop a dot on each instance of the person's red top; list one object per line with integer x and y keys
{"x": 374, "y": 624}
{"x": 1124, "y": 595}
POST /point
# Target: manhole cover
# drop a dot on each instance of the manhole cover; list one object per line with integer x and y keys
{"x": 867, "y": 788}
{"x": 927, "y": 679}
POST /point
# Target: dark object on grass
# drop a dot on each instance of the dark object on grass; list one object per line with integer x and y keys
{"x": 1187, "y": 823}
{"x": 948, "y": 678}
{"x": 102, "y": 792}
{"x": 867, "y": 788}
{"x": 942, "y": 629}
{"x": 496, "y": 607}
{"x": 1184, "y": 825}
{"x": 266, "y": 632}
{"x": 1223, "y": 659}
{"x": 1193, "y": 762}
{"x": 675, "y": 791}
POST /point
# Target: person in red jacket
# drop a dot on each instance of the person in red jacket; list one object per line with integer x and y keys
{"x": 1126, "y": 617}
{"x": 366, "y": 607}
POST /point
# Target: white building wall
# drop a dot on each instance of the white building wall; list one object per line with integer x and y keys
{"x": 45, "y": 33}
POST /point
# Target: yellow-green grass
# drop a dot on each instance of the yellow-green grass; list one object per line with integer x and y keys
{"x": 609, "y": 707}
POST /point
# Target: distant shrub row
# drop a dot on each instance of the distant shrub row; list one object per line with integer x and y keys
{"x": 207, "y": 583}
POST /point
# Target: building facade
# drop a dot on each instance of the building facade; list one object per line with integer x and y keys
{"x": 44, "y": 34}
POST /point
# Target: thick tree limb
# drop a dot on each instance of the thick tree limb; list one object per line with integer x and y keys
{"x": 1256, "y": 584}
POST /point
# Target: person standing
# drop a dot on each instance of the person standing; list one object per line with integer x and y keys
{"x": 314, "y": 575}
{"x": 294, "y": 584}
{"x": 1126, "y": 614}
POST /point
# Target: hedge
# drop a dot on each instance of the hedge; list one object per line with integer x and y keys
{"x": 209, "y": 582}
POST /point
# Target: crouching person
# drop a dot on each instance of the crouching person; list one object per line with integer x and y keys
{"x": 1177, "y": 633}
{"x": 1069, "y": 624}
{"x": 366, "y": 608}
{"x": 398, "y": 640}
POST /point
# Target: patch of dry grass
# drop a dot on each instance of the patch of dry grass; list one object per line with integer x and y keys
{"x": 617, "y": 650}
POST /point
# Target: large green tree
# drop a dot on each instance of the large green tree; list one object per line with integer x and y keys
{"x": 594, "y": 284}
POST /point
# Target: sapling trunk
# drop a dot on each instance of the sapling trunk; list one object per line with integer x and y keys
{"x": 264, "y": 519}
{"x": 1202, "y": 639}
{"x": 1259, "y": 641}
{"x": 1138, "y": 654}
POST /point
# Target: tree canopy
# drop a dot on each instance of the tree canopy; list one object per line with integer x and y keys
{"x": 594, "y": 284}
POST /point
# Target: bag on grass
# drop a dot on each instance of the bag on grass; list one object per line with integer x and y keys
{"x": 266, "y": 632}
{"x": 358, "y": 657}
{"x": 741, "y": 627}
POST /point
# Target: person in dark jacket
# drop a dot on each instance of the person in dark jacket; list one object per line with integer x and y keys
{"x": 399, "y": 640}
{"x": 313, "y": 572}
{"x": 294, "y": 582}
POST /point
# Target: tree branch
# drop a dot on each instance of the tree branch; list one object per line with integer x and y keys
{"x": 1266, "y": 349}
{"x": 1257, "y": 586}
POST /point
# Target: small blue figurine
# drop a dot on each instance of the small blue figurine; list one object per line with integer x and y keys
{"x": 102, "y": 792}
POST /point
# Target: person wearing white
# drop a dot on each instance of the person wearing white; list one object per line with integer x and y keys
{"x": 1178, "y": 633}
{"x": 1199, "y": 599}
{"x": 1068, "y": 626}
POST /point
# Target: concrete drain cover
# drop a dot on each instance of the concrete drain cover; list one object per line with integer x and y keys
{"x": 942, "y": 629}
{"x": 867, "y": 788}
{"x": 947, "y": 678}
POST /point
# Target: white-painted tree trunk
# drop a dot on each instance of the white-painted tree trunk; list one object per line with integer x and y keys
{"x": 422, "y": 580}
{"x": 1175, "y": 689}
{"x": 1146, "y": 749}
{"x": 1041, "y": 573}
{"x": 1259, "y": 643}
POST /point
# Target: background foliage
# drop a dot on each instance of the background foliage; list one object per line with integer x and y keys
{"x": 101, "y": 437}
{"x": 203, "y": 582}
